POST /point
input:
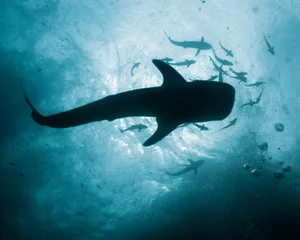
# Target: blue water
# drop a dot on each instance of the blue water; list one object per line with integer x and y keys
{"x": 94, "y": 182}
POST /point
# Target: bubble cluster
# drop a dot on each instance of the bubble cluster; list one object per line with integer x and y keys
{"x": 279, "y": 127}
{"x": 263, "y": 146}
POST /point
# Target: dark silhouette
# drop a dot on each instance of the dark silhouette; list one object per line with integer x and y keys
{"x": 270, "y": 48}
{"x": 201, "y": 127}
{"x": 138, "y": 127}
{"x": 166, "y": 59}
{"x": 175, "y": 102}
{"x": 210, "y": 79}
{"x": 232, "y": 123}
{"x": 186, "y": 63}
{"x": 199, "y": 45}
{"x": 228, "y": 52}
{"x": 256, "y": 84}
{"x": 222, "y": 61}
{"x": 135, "y": 65}
{"x": 251, "y": 102}
{"x": 188, "y": 167}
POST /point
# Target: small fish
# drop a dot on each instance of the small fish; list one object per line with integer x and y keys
{"x": 194, "y": 165}
{"x": 201, "y": 127}
{"x": 256, "y": 84}
{"x": 186, "y": 63}
{"x": 222, "y": 61}
{"x": 228, "y": 52}
{"x": 232, "y": 123}
{"x": 270, "y": 48}
{"x": 135, "y": 65}
{"x": 251, "y": 102}
{"x": 138, "y": 127}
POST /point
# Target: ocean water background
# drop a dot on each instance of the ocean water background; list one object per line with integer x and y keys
{"x": 93, "y": 182}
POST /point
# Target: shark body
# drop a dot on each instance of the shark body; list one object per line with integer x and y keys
{"x": 194, "y": 165}
{"x": 174, "y": 103}
{"x": 199, "y": 45}
{"x": 138, "y": 127}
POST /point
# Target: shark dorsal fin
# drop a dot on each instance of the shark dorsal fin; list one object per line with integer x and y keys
{"x": 170, "y": 75}
{"x": 202, "y": 39}
{"x": 191, "y": 161}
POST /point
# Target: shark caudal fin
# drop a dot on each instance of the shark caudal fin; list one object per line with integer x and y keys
{"x": 37, "y": 117}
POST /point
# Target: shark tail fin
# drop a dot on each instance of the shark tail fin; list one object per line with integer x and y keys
{"x": 121, "y": 130}
{"x": 37, "y": 117}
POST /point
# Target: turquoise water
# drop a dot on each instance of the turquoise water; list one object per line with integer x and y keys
{"x": 94, "y": 182}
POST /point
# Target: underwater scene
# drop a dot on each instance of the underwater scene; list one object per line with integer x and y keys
{"x": 149, "y": 120}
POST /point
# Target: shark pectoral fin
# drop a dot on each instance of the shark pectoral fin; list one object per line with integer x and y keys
{"x": 195, "y": 170}
{"x": 191, "y": 161}
{"x": 170, "y": 75}
{"x": 198, "y": 51}
{"x": 164, "y": 128}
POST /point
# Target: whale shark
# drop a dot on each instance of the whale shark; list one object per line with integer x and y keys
{"x": 199, "y": 45}
{"x": 173, "y": 103}
{"x": 194, "y": 165}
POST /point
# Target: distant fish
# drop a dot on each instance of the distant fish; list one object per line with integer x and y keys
{"x": 232, "y": 123}
{"x": 256, "y": 84}
{"x": 199, "y": 45}
{"x": 270, "y": 48}
{"x": 251, "y": 102}
{"x": 228, "y": 52}
{"x": 201, "y": 127}
{"x": 186, "y": 63}
{"x": 138, "y": 127}
{"x": 222, "y": 61}
{"x": 135, "y": 65}
{"x": 194, "y": 165}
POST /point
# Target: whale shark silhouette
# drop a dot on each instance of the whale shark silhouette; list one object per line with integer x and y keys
{"x": 175, "y": 102}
